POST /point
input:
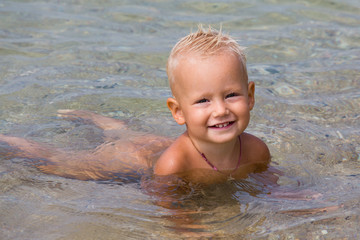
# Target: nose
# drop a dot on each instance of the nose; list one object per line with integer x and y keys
{"x": 220, "y": 109}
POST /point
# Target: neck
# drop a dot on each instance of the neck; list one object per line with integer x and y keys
{"x": 221, "y": 155}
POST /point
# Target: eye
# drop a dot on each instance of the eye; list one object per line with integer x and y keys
{"x": 203, "y": 100}
{"x": 233, "y": 94}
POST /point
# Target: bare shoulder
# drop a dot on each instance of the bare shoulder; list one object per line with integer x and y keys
{"x": 173, "y": 160}
{"x": 255, "y": 148}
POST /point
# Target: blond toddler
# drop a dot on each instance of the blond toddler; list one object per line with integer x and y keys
{"x": 211, "y": 96}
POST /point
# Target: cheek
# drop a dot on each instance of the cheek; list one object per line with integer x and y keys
{"x": 242, "y": 109}
{"x": 196, "y": 116}
{"x": 241, "y": 106}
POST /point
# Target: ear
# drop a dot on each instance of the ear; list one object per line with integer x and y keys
{"x": 251, "y": 95}
{"x": 176, "y": 112}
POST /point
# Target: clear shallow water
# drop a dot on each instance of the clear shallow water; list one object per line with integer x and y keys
{"x": 109, "y": 57}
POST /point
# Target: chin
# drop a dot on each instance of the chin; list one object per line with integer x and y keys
{"x": 223, "y": 139}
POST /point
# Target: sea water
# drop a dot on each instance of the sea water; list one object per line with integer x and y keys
{"x": 109, "y": 57}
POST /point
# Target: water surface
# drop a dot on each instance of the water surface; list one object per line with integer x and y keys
{"x": 110, "y": 56}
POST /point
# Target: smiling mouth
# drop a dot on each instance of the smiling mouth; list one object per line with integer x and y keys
{"x": 222, "y": 125}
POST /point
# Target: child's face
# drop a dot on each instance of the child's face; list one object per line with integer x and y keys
{"x": 212, "y": 96}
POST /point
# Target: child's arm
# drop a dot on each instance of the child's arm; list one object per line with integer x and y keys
{"x": 255, "y": 149}
{"x": 174, "y": 160}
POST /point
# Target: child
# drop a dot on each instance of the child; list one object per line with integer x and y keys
{"x": 211, "y": 96}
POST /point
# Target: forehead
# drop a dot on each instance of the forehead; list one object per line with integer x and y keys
{"x": 194, "y": 69}
{"x": 189, "y": 59}
{"x": 200, "y": 64}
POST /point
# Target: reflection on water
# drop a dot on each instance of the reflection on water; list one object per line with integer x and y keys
{"x": 109, "y": 57}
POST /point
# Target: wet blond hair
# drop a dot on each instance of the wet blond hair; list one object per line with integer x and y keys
{"x": 204, "y": 43}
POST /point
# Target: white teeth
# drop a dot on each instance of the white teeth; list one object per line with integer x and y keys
{"x": 222, "y": 125}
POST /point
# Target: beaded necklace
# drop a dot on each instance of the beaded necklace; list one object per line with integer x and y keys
{"x": 215, "y": 168}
